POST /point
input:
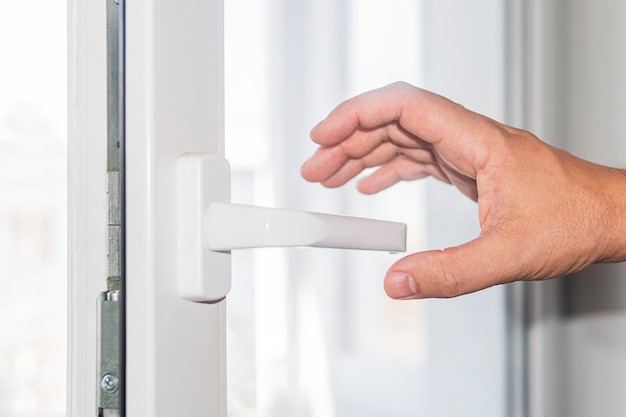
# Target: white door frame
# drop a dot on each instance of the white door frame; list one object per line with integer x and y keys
{"x": 87, "y": 196}
{"x": 174, "y": 104}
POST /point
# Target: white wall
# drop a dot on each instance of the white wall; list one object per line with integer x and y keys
{"x": 576, "y": 332}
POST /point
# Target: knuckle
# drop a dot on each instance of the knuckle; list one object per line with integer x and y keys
{"x": 401, "y": 85}
{"x": 448, "y": 281}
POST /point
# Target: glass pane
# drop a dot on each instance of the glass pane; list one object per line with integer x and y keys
{"x": 305, "y": 325}
{"x": 33, "y": 209}
{"x": 311, "y": 331}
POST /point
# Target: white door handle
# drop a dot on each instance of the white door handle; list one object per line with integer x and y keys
{"x": 209, "y": 227}
{"x": 233, "y": 226}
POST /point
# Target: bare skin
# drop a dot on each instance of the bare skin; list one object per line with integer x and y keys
{"x": 543, "y": 212}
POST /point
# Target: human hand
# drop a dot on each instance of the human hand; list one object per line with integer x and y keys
{"x": 543, "y": 213}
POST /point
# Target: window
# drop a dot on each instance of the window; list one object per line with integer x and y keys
{"x": 312, "y": 332}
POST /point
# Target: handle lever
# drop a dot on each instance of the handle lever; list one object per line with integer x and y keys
{"x": 233, "y": 226}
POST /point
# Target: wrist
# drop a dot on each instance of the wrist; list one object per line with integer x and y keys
{"x": 612, "y": 232}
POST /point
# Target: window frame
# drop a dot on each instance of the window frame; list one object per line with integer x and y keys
{"x": 175, "y": 349}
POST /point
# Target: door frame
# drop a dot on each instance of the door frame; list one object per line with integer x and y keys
{"x": 175, "y": 349}
{"x": 87, "y": 196}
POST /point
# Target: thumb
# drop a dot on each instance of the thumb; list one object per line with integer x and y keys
{"x": 476, "y": 265}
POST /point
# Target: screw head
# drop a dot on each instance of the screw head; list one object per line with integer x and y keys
{"x": 110, "y": 383}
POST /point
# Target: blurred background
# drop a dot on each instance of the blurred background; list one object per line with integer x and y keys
{"x": 33, "y": 208}
{"x": 311, "y": 332}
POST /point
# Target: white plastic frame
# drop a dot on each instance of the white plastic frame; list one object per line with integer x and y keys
{"x": 174, "y": 101}
{"x": 175, "y": 350}
{"x": 87, "y": 196}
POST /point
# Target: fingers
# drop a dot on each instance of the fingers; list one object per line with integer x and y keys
{"x": 462, "y": 136}
{"x": 369, "y": 110}
{"x": 379, "y": 156}
{"x": 400, "y": 169}
{"x": 422, "y": 113}
{"x": 354, "y": 137}
{"x": 362, "y": 141}
{"x": 474, "y": 266}
{"x": 394, "y": 165}
{"x": 425, "y": 115}
{"x": 368, "y": 144}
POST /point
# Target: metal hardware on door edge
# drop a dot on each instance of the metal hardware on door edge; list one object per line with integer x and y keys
{"x": 109, "y": 369}
{"x": 110, "y": 309}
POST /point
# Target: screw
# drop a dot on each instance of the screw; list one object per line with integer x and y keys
{"x": 110, "y": 383}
